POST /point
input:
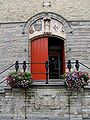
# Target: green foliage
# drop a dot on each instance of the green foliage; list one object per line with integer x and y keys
{"x": 63, "y": 76}
{"x": 19, "y": 79}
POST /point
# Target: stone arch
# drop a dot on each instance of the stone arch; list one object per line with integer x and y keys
{"x": 52, "y": 15}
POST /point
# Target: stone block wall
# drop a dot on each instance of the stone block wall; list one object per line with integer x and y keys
{"x": 45, "y": 102}
{"x": 22, "y": 10}
{"x": 78, "y": 43}
{"x": 15, "y": 46}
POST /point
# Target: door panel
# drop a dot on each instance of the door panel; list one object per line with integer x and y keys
{"x": 39, "y": 55}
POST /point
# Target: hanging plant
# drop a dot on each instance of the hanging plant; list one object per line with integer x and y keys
{"x": 19, "y": 79}
{"x": 76, "y": 79}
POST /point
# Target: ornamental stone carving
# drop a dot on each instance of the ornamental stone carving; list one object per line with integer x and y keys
{"x": 47, "y": 101}
{"x": 47, "y": 25}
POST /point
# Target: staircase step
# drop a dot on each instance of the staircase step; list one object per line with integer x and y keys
{"x": 2, "y": 91}
{"x": 50, "y": 82}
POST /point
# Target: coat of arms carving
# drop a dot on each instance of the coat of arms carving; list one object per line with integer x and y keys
{"x": 38, "y": 25}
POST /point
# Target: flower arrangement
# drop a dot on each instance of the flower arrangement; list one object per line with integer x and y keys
{"x": 76, "y": 79}
{"x": 19, "y": 79}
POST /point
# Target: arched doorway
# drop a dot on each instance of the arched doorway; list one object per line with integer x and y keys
{"x": 47, "y": 42}
{"x": 49, "y": 49}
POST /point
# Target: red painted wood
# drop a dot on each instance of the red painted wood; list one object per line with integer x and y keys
{"x": 39, "y": 54}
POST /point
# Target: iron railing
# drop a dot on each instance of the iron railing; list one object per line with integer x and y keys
{"x": 84, "y": 65}
{"x": 46, "y": 63}
{"x": 7, "y": 68}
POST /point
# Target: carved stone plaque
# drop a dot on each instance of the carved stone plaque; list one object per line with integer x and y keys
{"x": 47, "y": 101}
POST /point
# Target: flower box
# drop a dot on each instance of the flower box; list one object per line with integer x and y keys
{"x": 76, "y": 79}
{"x": 19, "y": 79}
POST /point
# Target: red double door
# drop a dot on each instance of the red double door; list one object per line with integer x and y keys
{"x": 39, "y": 55}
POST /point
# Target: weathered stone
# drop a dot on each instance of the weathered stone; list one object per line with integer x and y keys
{"x": 71, "y": 10}
{"x": 49, "y": 103}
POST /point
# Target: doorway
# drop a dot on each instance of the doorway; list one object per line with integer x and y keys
{"x": 47, "y": 49}
{"x": 56, "y": 57}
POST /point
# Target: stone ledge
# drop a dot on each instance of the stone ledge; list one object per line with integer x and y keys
{"x": 7, "y": 88}
{"x": 2, "y": 91}
{"x": 75, "y": 118}
{"x": 49, "y": 83}
{"x": 87, "y": 87}
{"x": 86, "y": 118}
{"x": 46, "y": 118}
{"x": 53, "y": 82}
{"x": 41, "y": 84}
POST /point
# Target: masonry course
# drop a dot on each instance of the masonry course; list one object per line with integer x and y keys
{"x": 22, "y": 10}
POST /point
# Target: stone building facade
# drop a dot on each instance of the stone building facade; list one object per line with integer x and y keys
{"x": 70, "y": 22}
{"x": 15, "y": 15}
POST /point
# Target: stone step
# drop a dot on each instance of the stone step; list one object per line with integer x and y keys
{"x": 2, "y": 91}
{"x": 33, "y": 118}
{"x": 47, "y": 118}
{"x": 50, "y": 82}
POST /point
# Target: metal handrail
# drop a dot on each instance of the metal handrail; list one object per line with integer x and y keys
{"x": 19, "y": 64}
{"x": 84, "y": 65}
{"x": 5, "y": 71}
{"x": 38, "y": 63}
{"x": 2, "y": 81}
{"x": 7, "y": 68}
